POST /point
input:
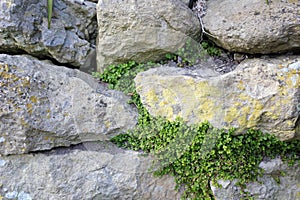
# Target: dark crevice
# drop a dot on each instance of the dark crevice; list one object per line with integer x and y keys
{"x": 297, "y": 127}
{"x": 191, "y": 3}
{"x": 92, "y": 37}
{"x": 62, "y": 150}
{"x": 39, "y": 57}
{"x": 98, "y": 146}
{"x": 295, "y": 51}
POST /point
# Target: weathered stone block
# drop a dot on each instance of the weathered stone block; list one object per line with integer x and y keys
{"x": 142, "y": 30}
{"x": 70, "y": 40}
{"x": 84, "y": 172}
{"x": 253, "y": 26}
{"x": 260, "y": 93}
{"x": 44, "y": 106}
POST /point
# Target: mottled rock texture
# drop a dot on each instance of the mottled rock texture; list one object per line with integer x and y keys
{"x": 100, "y": 172}
{"x": 260, "y": 93}
{"x": 253, "y": 26}
{"x": 143, "y": 30}
{"x": 278, "y": 182}
{"x": 70, "y": 40}
{"x": 49, "y": 112}
{"x": 44, "y": 106}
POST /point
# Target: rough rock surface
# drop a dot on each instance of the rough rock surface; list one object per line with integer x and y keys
{"x": 253, "y": 26}
{"x": 70, "y": 40}
{"x": 142, "y": 30}
{"x": 44, "y": 106}
{"x": 100, "y": 172}
{"x": 278, "y": 182}
{"x": 259, "y": 93}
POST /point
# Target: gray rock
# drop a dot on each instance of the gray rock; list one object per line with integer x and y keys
{"x": 254, "y": 26}
{"x": 70, "y": 40}
{"x": 259, "y": 93}
{"x": 103, "y": 173}
{"x": 186, "y": 2}
{"x": 142, "y": 30}
{"x": 44, "y": 106}
{"x": 278, "y": 182}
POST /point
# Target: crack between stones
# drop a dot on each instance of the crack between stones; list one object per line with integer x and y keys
{"x": 97, "y": 146}
{"x": 40, "y": 58}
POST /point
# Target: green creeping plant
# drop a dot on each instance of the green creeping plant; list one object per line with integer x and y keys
{"x": 195, "y": 155}
{"x": 50, "y": 8}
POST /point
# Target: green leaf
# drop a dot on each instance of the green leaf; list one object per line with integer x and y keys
{"x": 50, "y": 8}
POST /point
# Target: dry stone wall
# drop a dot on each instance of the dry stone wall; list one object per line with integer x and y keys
{"x": 55, "y": 122}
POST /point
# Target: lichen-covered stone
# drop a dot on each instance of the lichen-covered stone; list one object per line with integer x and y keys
{"x": 90, "y": 171}
{"x": 260, "y": 93}
{"x": 44, "y": 106}
{"x": 278, "y": 182}
{"x": 253, "y": 26}
{"x": 70, "y": 40}
{"x": 143, "y": 30}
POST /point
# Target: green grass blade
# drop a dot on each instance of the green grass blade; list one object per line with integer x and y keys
{"x": 50, "y": 7}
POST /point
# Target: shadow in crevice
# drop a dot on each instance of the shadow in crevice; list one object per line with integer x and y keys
{"x": 39, "y": 57}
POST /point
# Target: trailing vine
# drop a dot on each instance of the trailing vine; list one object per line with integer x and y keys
{"x": 196, "y": 155}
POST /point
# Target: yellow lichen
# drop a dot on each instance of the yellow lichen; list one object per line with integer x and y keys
{"x": 190, "y": 98}
{"x": 247, "y": 115}
{"x": 280, "y": 66}
{"x": 169, "y": 97}
{"x": 290, "y": 123}
{"x": 293, "y": 78}
{"x": 238, "y": 104}
{"x": 163, "y": 103}
{"x": 151, "y": 96}
{"x": 256, "y": 112}
{"x": 167, "y": 112}
{"x": 271, "y": 114}
{"x": 107, "y": 124}
{"x": 293, "y": 1}
{"x": 208, "y": 109}
{"x": 231, "y": 114}
{"x": 244, "y": 112}
{"x": 33, "y": 99}
{"x": 203, "y": 89}
{"x": 14, "y": 84}
{"x": 29, "y": 108}
{"x": 23, "y": 122}
{"x": 206, "y": 96}
{"x": 241, "y": 85}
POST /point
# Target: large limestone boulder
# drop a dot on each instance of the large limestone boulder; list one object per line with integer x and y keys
{"x": 278, "y": 182}
{"x": 253, "y": 26}
{"x": 44, "y": 106}
{"x": 70, "y": 40}
{"x": 100, "y": 172}
{"x": 143, "y": 30}
{"x": 260, "y": 93}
